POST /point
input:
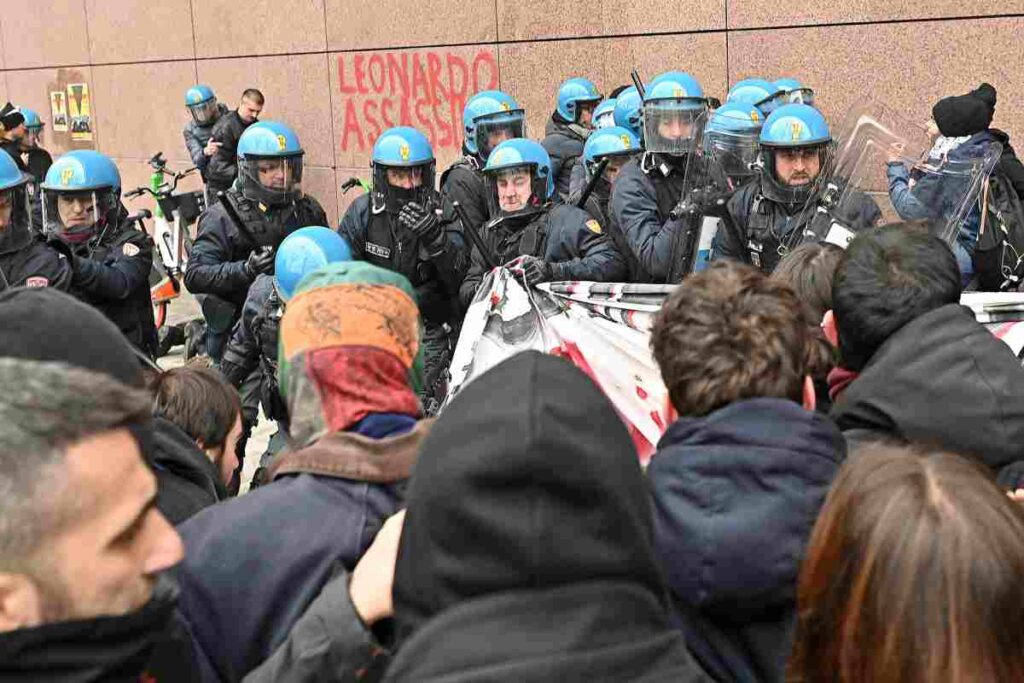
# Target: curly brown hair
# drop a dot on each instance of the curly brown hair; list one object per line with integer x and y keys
{"x": 730, "y": 333}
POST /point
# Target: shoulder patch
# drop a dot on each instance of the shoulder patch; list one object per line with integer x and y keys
{"x": 594, "y": 226}
{"x": 130, "y": 249}
{"x": 37, "y": 281}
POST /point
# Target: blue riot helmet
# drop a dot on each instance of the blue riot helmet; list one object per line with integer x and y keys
{"x": 270, "y": 163}
{"x": 202, "y": 104}
{"x": 33, "y": 129}
{"x": 731, "y": 139}
{"x": 787, "y": 91}
{"x": 628, "y": 109}
{"x": 800, "y": 136}
{"x": 81, "y": 196}
{"x": 519, "y": 180}
{"x": 674, "y": 106}
{"x": 604, "y": 114}
{"x": 751, "y": 91}
{"x": 403, "y": 169}
{"x": 616, "y": 144}
{"x": 574, "y": 96}
{"x": 489, "y": 118}
{"x": 15, "y": 231}
{"x": 302, "y": 252}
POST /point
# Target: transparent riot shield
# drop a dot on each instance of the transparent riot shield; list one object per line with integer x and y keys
{"x": 705, "y": 184}
{"x": 885, "y": 169}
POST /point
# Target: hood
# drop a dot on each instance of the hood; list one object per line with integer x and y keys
{"x": 556, "y": 125}
{"x": 172, "y": 450}
{"x": 104, "y": 649}
{"x": 528, "y": 480}
{"x": 735, "y": 495}
{"x": 944, "y": 380}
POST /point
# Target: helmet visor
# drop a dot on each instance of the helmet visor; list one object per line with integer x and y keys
{"x": 516, "y": 190}
{"x": 396, "y": 186}
{"x": 783, "y": 97}
{"x": 791, "y": 174}
{"x": 203, "y": 113}
{"x": 605, "y": 119}
{"x": 14, "y": 217}
{"x": 493, "y": 129}
{"x": 736, "y": 155}
{"x": 671, "y": 126}
{"x": 75, "y": 216}
{"x": 612, "y": 168}
{"x": 273, "y": 179}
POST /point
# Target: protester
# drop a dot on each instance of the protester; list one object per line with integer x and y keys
{"x": 12, "y": 132}
{"x": 738, "y": 479}
{"x": 348, "y": 350}
{"x": 197, "y": 422}
{"x": 82, "y": 545}
{"x": 809, "y": 271}
{"x": 915, "y": 365}
{"x": 517, "y": 563}
{"x": 912, "y": 574}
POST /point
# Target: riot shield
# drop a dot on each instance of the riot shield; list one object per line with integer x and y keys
{"x": 885, "y": 169}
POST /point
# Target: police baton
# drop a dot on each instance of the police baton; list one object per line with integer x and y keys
{"x": 635, "y": 75}
{"x": 474, "y": 236}
{"x": 598, "y": 172}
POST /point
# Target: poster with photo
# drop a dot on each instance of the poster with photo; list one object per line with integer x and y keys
{"x": 80, "y": 111}
{"x": 59, "y": 111}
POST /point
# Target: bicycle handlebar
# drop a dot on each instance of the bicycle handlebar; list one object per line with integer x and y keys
{"x": 170, "y": 188}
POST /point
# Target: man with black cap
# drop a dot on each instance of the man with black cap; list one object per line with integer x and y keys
{"x": 13, "y": 123}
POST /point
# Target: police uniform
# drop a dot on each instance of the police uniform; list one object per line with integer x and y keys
{"x": 562, "y": 235}
{"x": 196, "y": 139}
{"x": 463, "y": 182}
{"x": 112, "y": 275}
{"x": 34, "y": 264}
{"x": 564, "y": 144}
{"x": 216, "y": 266}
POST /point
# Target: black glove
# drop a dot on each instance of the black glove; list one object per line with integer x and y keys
{"x": 422, "y": 222}
{"x": 259, "y": 262}
{"x": 536, "y": 270}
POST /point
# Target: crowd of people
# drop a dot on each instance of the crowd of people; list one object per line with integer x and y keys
{"x": 838, "y": 496}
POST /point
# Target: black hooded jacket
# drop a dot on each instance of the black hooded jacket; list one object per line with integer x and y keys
{"x": 526, "y": 553}
{"x": 187, "y": 480}
{"x": 563, "y": 141}
{"x": 942, "y": 380}
{"x": 736, "y": 494}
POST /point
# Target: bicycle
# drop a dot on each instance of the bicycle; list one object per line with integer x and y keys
{"x": 173, "y": 237}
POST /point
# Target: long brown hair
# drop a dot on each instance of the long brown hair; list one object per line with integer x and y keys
{"x": 914, "y": 573}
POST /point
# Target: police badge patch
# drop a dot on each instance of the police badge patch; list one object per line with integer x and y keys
{"x": 37, "y": 281}
{"x": 377, "y": 250}
{"x": 594, "y": 226}
{"x": 130, "y": 250}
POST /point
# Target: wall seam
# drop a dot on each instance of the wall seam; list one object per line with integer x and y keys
{"x": 195, "y": 50}
{"x": 334, "y": 133}
{"x": 497, "y": 44}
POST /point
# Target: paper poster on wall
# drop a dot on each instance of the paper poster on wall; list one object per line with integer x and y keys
{"x": 59, "y": 111}
{"x": 80, "y": 112}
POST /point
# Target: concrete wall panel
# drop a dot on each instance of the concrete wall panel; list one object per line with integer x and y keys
{"x": 130, "y": 98}
{"x": 139, "y": 30}
{"x": 45, "y": 33}
{"x": 372, "y": 91}
{"x": 258, "y": 27}
{"x": 535, "y": 19}
{"x": 319, "y": 182}
{"x": 754, "y": 13}
{"x": 295, "y": 88}
{"x": 353, "y": 26}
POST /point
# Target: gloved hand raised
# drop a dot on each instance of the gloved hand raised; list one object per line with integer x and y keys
{"x": 422, "y": 222}
{"x": 259, "y": 262}
{"x": 536, "y": 270}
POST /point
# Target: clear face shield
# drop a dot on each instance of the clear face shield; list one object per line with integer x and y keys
{"x": 615, "y": 164}
{"x": 396, "y": 186}
{"x": 204, "y": 113}
{"x": 15, "y": 215}
{"x": 605, "y": 119}
{"x": 515, "y": 191}
{"x": 789, "y": 175}
{"x": 493, "y": 129}
{"x": 735, "y": 155}
{"x": 672, "y": 125}
{"x": 783, "y": 97}
{"x": 33, "y": 137}
{"x": 271, "y": 180}
{"x": 77, "y": 216}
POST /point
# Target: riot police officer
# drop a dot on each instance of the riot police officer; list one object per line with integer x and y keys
{"x": 404, "y": 225}
{"x": 489, "y": 118}
{"x": 628, "y": 112}
{"x": 253, "y": 344}
{"x": 568, "y": 129}
{"x": 205, "y": 111}
{"x": 23, "y": 259}
{"x": 110, "y": 259}
{"x": 770, "y": 216}
{"x": 650, "y": 188}
{"x": 616, "y": 145}
{"x": 237, "y": 237}
{"x": 546, "y": 242}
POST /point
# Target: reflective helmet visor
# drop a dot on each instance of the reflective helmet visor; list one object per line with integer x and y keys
{"x": 670, "y": 126}
{"x": 493, "y": 129}
{"x": 271, "y": 180}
